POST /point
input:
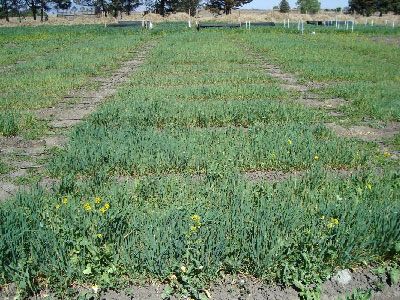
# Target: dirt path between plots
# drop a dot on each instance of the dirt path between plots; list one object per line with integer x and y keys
{"x": 331, "y": 105}
{"x": 23, "y": 156}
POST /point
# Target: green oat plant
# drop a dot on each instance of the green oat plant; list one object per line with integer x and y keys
{"x": 186, "y": 231}
{"x": 358, "y": 68}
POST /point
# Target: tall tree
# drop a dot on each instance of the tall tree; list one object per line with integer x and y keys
{"x": 34, "y": 6}
{"x": 309, "y": 6}
{"x": 363, "y": 7}
{"x": 225, "y": 6}
{"x": 130, "y": 5}
{"x": 5, "y": 7}
{"x": 284, "y": 6}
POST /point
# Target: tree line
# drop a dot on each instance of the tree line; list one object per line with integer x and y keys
{"x": 163, "y": 7}
{"x": 115, "y": 7}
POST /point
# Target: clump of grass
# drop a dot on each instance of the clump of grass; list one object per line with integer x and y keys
{"x": 15, "y": 123}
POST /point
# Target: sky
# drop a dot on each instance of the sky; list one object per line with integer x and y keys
{"x": 266, "y": 4}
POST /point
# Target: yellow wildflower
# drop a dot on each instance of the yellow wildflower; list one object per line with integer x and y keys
{"x": 195, "y": 218}
{"x": 98, "y": 200}
{"x": 107, "y": 206}
{"x": 87, "y": 206}
{"x": 316, "y": 157}
{"x": 369, "y": 187}
{"x": 322, "y": 217}
{"x": 386, "y": 154}
{"x": 273, "y": 155}
{"x": 330, "y": 225}
{"x": 335, "y": 221}
{"x": 193, "y": 228}
{"x": 99, "y": 235}
{"x": 65, "y": 201}
{"x": 58, "y": 206}
{"x": 103, "y": 210}
{"x": 289, "y": 142}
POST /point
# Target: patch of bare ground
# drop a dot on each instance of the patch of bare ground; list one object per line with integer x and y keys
{"x": 387, "y": 40}
{"x": 241, "y": 287}
{"x": 366, "y": 133}
{"x": 21, "y": 154}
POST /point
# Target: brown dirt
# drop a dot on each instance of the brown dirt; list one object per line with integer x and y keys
{"x": 367, "y": 133}
{"x": 387, "y": 40}
{"x": 242, "y": 287}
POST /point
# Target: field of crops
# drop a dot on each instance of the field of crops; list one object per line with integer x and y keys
{"x": 204, "y": 163}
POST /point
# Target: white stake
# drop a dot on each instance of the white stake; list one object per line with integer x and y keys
{"x": 372, "y": 23}
{"x": 298, "y": 25}
{"x": 347, "y": 25}
{"x": 352, "y": 26}
{"x": 288, "y": 23}
{"x": 284, "y": 23}
{"x": 386, "y": 22}
{"x": 302, "y": 27}
{"x": 392, "y": 24}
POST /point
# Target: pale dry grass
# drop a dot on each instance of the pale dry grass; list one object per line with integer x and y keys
{"x": 205, "y": 16}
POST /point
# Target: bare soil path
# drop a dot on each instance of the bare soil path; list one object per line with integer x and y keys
{"x": 27, "y": 157}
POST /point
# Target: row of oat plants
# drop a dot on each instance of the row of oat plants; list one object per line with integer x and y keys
{"x": 105, "y": 229}
{"x": 361, "y": 68}
{"x": 46, "y": 77}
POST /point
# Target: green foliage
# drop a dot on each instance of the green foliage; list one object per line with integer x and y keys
{"x": 13, "y": 123}
{"x": 371, "y": 91}
{"x": 358, "y": 294}
{"x": 309, "y": 6}
{"x": 247, "y": 227}
{"x": 284, "y": 6}
{"x": 155, "y": 184}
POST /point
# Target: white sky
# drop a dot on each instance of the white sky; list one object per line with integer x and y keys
{"x": 265, "y": 4}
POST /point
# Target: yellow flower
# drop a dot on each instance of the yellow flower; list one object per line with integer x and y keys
{"x": 98, "y": 200}
{"x": 316, "y": 157}
{"x": 335, "y": 221}
{"x": 273, "y": 155}
{"x": 369, "y": 187}
{"x": 330, "y": 225}
{"x": 195, "y": 218}
{"x": 289, "y": 142}
{"x": 65, "y": 201}
{"x": 322, "y": 217}
{"x": 107, "y": 206}
{"x": 58, "y": 206}
{"x": 103, "y": 210}
{"x": 99, "y": 235}
{"x": 193, "y": 228}
{"x": 386, "y": 154}
{"x": 87, "y": 206}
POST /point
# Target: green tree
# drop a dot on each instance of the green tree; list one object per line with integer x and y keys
{"x": 363, "y": 7}
{"x": 284, "y": 6}
{"x": 5, "y": 8}
{"x": 309, "y": 6}
{"x": 225, "y": 6}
